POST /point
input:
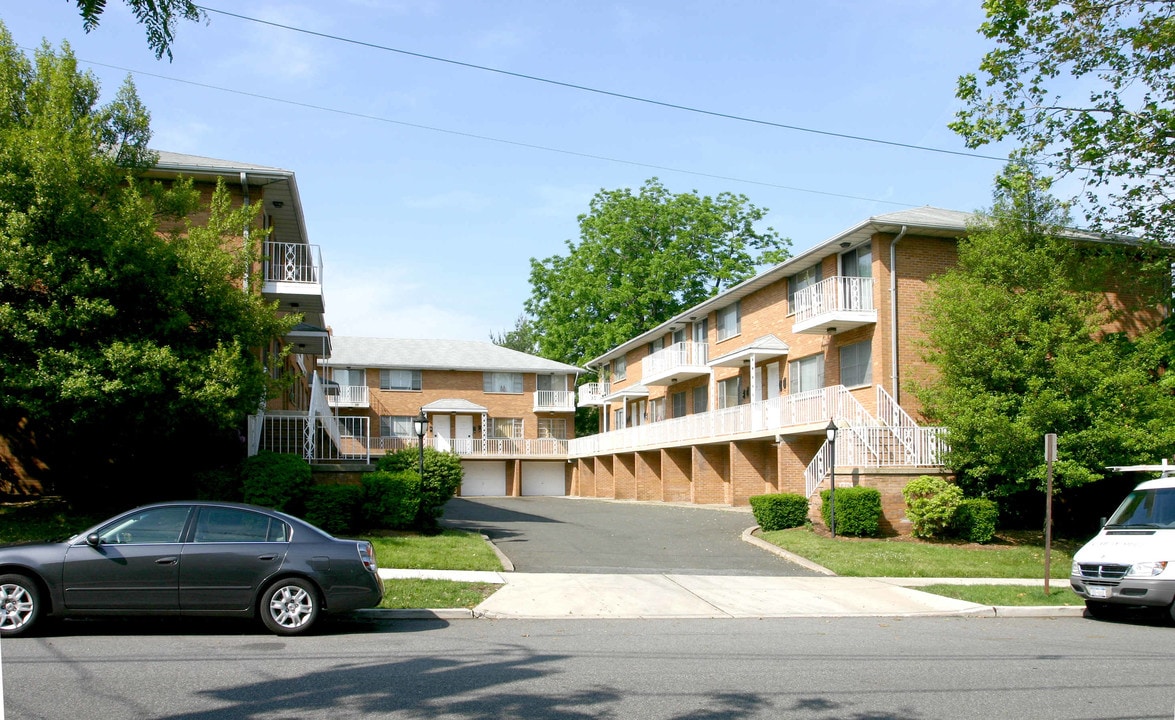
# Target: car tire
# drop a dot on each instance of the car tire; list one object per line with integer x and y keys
{"x": 289, "y": 606}
{"x": 1100, "y": 610}
{"x": 20, "y": 604}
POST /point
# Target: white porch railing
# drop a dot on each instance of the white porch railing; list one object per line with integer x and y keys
{"x": 593, "y": 393}
{"x": 682, "y": 354}
{"x": 351, "y": 396}
{"x": 558, "y": 400}
{"x": 833, "y": 295}
{"x": 478, "y": 447}
{"x": 292, "y": 263}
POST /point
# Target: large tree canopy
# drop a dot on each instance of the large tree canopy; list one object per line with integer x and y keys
{"x": 159, "y": 17}
{"x": 1086, "y": 87}
{"x": 1024, "y": 340}
{"x": 641, "y": 259}
{"x": 118, "y": 343}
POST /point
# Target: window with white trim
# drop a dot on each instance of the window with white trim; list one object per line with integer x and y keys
{"x": 856, "y": 364}
{"x": 803, "y": 279}
{"x": 657, "y": 410}
{"x": 728, "y": 321}
{"x": 505, "y": 428}
{"x": 857, "y": 262}
{"x": 728, "y": 392}
{"x": 701, "y": 399}
{"x": 399, "y": 380}
{"x": 396, "y": 426}
{"x": 553, "y": 428}
{"x": 806, "y": 374}
{"x": 502, "y": 382}
{"x": 620, "y": 368}
{"x": 677, "y": 401}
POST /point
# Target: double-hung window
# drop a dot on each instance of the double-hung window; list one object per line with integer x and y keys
{"x": 806, "y": 374}
{"x": 502, "y": 382}
{"x": 553, "y": 428}
{"x": 728, "y": 321}
{"x": 395, "y": 426}
{"x": 505, "y": 427}
{"x": 728, "y": 392}
{"x": 855, "y": 364}
{"x": 399, "y": 380}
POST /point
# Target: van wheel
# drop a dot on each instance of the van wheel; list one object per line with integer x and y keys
{"x": 1099, "y": 610}
{"x": 20, "y": 604}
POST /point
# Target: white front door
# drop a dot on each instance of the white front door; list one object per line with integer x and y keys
{"x": 773, "y": 418}
{"x": 463, "y": 434}
{"x": 440, "y": 433}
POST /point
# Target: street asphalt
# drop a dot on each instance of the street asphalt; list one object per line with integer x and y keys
{"x": 587, "y": 558}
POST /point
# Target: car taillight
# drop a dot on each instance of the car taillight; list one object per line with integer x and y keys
{"x": 367, "y": 555}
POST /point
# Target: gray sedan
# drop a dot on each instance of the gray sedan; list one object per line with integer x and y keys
{"x": 190, "y": 558}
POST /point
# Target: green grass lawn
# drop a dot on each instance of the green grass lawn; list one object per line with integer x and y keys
{"x": 1059, "y": 594}
{"x": 414, "y": 593}
{"x": 451, "y": 550}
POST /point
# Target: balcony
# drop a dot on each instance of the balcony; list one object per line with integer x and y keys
{"x": 554, "y": 401}
{"x": 834, "y": 305}
{"x": 551, "y": 448}
{"x": 347, "y": 396}
{"x": 676, "y": 363}
{"x": 293, "y": 277}
{"x": 594, "y": 393}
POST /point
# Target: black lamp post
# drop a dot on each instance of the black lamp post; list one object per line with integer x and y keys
{"x": 420, "y": 425}
{"x": 830, "y": 431}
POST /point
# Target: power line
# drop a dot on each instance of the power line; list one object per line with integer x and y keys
{"x": 487, "y": 138}
{"x": 608, "y": 93}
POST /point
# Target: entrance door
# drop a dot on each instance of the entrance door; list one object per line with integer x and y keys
{"x": 463, "y": 435}
{"x": 441, "y": 436}
{"x": 773, "y": 401}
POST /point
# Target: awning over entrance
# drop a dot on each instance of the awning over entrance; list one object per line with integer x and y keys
{"x": 764, "y": 349}
{"x": 628, "y": 393}
{"x": 453, "y": 405}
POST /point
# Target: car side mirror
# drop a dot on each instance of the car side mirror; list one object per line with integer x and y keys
{"x": 93, "y": 540}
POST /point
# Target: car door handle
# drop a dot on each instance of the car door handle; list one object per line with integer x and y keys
{"x": 167, "y": 561}
{"x": 268, "y": 557}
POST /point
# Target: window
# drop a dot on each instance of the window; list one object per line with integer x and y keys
{"x": 351, "y": 426}
{"x": 678, "y": 336}
{"x": 502, "y": 382}
{"x": 620, "y": 368}
{"x": 677, "y": 401}
{"x": 505, "y": 428}
{"x": 657, "y": 410}
{"x": 399, "y": 379}
{"x": 728, "y": 391}
{"x": 701, "y": 399}
{"x": 856, "y": 365}
{"x": 551, "y": 382}
{"x": 806, "y": 374}
{"x": 799, "y": 281}
{"x": 728, "y": 322}
{"x": 396, "y": 426}
{"x": 857, "y": 262}
{"x": 221, "y": 525}
{"x": 657, "y": 346}
{"x": 553, "y": 428}
{"x": 157, "y": 525}
{"x": 349, "y": 376}
{"x": 617, "y": 418}
{"x": 702, "y": 331}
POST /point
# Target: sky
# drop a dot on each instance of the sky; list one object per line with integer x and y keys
{"x": 430, "y": 184}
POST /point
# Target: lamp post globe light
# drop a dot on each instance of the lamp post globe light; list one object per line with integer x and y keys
{"x": 830, "y": 432}
{"x": 420, "y": 426}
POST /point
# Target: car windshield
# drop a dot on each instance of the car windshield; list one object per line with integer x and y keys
{"x": 1154, "y": 508}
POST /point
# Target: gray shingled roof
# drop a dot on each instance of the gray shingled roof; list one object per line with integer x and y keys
{"x": 416, "y": 354}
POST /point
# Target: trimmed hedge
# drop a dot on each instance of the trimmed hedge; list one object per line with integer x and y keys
{"x": 975, "y": 519}
{"x": 442, "y": 477}
{"x": 390, "y": 499}
{"x": 930, "y": 504}
{"x": 779, "y": 511}
{"x": 334, "y": 508}
{"x": 858, "y": 511}
{"x": 277, "y": 480}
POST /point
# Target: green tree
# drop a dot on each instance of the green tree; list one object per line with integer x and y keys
{"x": 157, "y": 16}
{"x": 523, "y": 338}
{"x": 641, "y": 259}
{"x": 1087, "y": 87}
{"x": 119, "y": 345}
{"x": 1016, "y": 334}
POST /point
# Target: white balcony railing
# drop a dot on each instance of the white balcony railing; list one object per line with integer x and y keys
{"x": 292, "y": 263}
{"x": 554, "y": 400}
{"x": 836, "y": 294}
{"x": 478, "y": 447}
{"x": 593, "y": 393}
{"x": 677, "y": 356}
{"x": 349, "y": 396}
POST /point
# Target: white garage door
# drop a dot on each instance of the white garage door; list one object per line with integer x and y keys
{"x": 483, "y": 479}
{"x": 543, "y": 478}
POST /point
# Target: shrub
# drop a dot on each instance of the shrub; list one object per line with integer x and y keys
{"x": 858, "y": 511}
{"x": 975, "y": 519}
{"x": 334, "y": 508}
{"x": 277, "y": 480}
{"x": 390, "y": 499}
{"x": 779, "y": 511}
{"x": 930, "y": 504}
{"x": 218, "y": 484}
{"x": 442, "y": 477}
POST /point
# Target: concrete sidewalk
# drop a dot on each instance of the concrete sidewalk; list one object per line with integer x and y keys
{"x": 674, "y": 596}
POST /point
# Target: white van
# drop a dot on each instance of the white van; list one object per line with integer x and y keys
{"x": 1131, "y": 562}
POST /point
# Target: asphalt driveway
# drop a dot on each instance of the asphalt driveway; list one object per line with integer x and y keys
{"x": 575, "y": 535}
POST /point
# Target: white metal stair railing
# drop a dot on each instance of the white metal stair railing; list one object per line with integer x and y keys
{"x": 320, "y": 415}
{"x": 924, "y": 445}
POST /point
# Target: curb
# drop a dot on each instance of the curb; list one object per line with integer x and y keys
{"x": 749, "y": 536}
